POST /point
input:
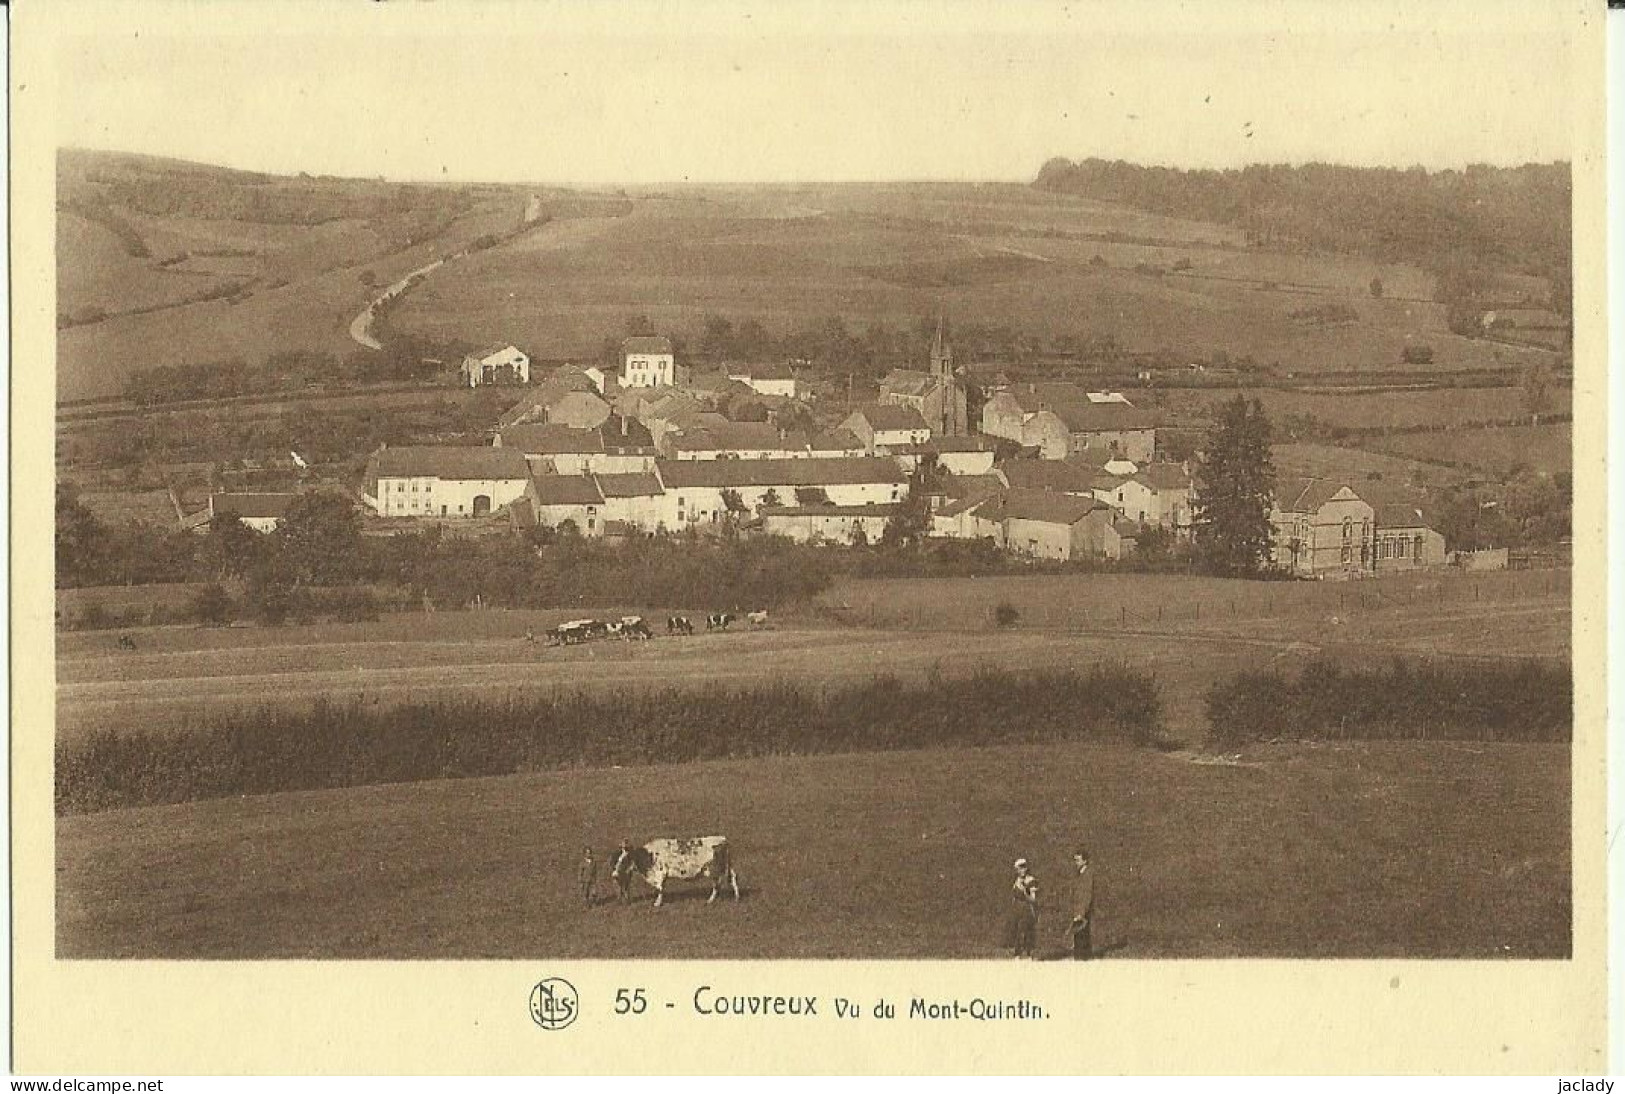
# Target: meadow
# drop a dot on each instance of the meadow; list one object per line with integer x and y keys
{"x": 907, "y": 627}
{"x": 1361, "y": 850}
{"x": 1363, "y": 409}
{"x": 993, "y": 254}
{"x": 1495, "y": 451}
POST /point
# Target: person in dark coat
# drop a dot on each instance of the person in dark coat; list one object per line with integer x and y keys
{"x": 587, "y": 876}
{"x": 1083, "y": 907}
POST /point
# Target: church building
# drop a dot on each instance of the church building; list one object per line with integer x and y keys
{"x": 938, "y": 395}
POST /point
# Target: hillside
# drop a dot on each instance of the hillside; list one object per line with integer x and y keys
{"x": 166, "y": 262}
{"x": 843, "y": 275}
{"x": 1511, "y": 220}
{"x": 170, "y": 263}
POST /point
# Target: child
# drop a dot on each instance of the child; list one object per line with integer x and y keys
{"x": 587, "y": 875}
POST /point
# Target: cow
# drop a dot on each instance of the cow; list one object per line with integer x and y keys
{"x": 633, "y": 626}
{"x": 126, "y": 641}
{"x": 757, "y": 619}
{"x": 690, "y": 859}
{"x": 718, "y": 621}
{"x": 679, "y": 624}
{"x": 578, "y": 630}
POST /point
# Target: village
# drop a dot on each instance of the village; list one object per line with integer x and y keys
{"x": 1045, "y": 470}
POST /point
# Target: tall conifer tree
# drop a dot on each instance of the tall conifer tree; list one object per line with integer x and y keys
{"x": 1235, "y": 486}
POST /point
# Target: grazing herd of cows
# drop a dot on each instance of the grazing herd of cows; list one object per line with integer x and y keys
{"x": 635, "y": 627}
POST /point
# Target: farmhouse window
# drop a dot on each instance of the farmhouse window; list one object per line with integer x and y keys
{"x": 1401, "y": 544}
{"x": 1348, "y": 555}
{"x": 1348, "y": 529}
{"x": 1418, "y": 553}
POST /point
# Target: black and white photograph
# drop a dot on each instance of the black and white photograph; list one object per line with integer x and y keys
{"x": 1000, "y": 491}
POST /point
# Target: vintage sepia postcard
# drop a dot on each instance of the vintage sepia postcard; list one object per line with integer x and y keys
{"x": 919, "y": 536}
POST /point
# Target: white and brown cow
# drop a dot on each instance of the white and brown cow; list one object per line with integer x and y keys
{"x": 690, "y": 859}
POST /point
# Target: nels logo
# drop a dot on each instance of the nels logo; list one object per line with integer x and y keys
{"x": 554, "y": 1003}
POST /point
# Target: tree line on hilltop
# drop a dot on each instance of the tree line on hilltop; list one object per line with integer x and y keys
{"x": 1482, "y": 218}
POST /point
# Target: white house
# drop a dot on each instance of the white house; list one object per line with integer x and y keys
{"x": 635, "y": 498}
{"x": 694, "y": 488}
{"x": 444, "y": 481}
{"x": 1158, "y": 494}
{"x": 884, "y": 427}
{"x": 828, "y": 523}
{"x": 619, "y": 445}
{"x": 1062, "y": 419}
{"x": 955, "y": 455}
{"x": 261, "y": 512}
{"x": 498, "y": 364}
{"x": 648, "y": 362}
{"x": 766, "y": 379}
{"x": 574, "y": 498}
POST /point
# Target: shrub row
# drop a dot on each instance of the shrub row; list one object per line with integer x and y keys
{"x": 1483, "y": 701}
{"x": 354, "y": 744}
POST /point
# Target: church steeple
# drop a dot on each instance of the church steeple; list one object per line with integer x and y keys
{"x": 942, "y": 355}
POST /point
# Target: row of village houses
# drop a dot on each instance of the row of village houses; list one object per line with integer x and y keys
{"x": 1036, "y": 508}
{"x": 647, "y": 449}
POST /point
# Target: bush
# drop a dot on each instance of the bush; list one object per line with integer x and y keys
{"x": 280, "y": 749}
{"x": 1006, "y": 614}
{"x": 1495, "y": 701}
{"x": 211, "y": 605}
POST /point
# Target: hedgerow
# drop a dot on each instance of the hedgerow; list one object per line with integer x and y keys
{"x": 275, "y": 749}
{"x": 1484, "y": 701}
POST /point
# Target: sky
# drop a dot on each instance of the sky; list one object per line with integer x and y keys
{"x": 648, "y": 92}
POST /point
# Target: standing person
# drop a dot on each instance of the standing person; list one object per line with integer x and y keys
{"x": 1083, "y": 906}
{"x": 622, "y": 869}
{"x": 587, "y": 875}
{"x": 1024, "y": 911}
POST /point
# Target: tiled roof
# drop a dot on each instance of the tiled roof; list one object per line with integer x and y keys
{"x": 1057, "y": 476}
{"x": 1103, "y": 417}
{"x": 620, "y": 433}
{"x": 1298, "y": 495}
{"x": 632, "y": 484}
{"x": 1395, "y": 514}
{"x": 646, "y": 344}
{"x": 547, "y": 394}
{"x": 811, "y": 471}
{"x": 885, "y": 416}
{"x": 447, "y": 462}
{"x": 567, "y": 490}
{"x": 738, "y": 435}
{"x": 1163, "y": 476}
{"x": 836, "y": 440}
{"x": 972, "y": 486}
{"x": 493, "y": 348}
{"x": 1046, "y": 507}
{"x": 539, "y": 439}
{"x": 909, "y": 382}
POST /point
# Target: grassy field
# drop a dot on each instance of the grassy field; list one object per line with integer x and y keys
{"x": 790, "y": 256}
{"x": 1544, "y": 448}
{"x": 143, "y": 240}
{"x": 911, "y": 627}
{"x": 1368, "y": 850}
{"x": 1357, "y": 465}
{"x": 1364, "y": 409}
